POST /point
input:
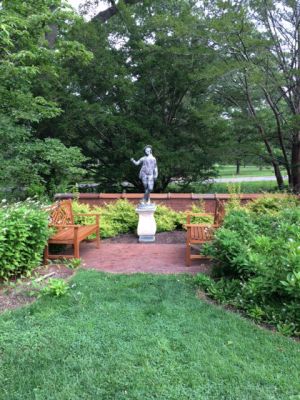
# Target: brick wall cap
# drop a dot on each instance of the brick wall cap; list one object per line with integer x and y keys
{"x": 88, "y": 196}
{"x": 60, "y": 196}
{"x": 180, "y": 196}
{"x": 110, "y": 195}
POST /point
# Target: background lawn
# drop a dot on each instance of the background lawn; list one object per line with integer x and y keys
{"x": 140, "y": 337}
{"x": 228, "y": 171}
{"x": 241, "y": 187}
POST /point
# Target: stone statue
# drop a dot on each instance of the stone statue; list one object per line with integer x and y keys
{"x": 148, "y": 173}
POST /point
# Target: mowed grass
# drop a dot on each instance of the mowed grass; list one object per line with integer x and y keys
{"x": 228, "y": 171}
{"x": 140, "y": 337}
{"x": 241, "y": 187}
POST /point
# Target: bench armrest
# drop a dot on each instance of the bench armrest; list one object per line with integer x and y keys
{"x": 201, "y": 225}
{"x": 198, "y": 214}
{"x": 88, "y": 214}
{"x": 64, "y": 226}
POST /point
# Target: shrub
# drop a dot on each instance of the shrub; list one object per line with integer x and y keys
{"x": 259, "y": 246}
{"x": 23, "y": 236}
{"x": 55, "y": 287}
{"x": 272, "y": 204}
{"x": 115, "y": 218}
{"x": 121, "y": 217}
{"x": 166, "y": 219}
{"x": 118, "y": 217}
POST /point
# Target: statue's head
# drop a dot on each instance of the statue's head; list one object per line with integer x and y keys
{"x": 148, "y": 149}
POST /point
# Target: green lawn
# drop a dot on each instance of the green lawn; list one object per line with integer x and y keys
{"x": 242, "y": 187}
{"x": 228, "y": 171}
{"x": 140, "y": 337}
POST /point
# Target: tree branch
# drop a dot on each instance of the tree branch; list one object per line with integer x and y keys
{"x": 105, "y": 15}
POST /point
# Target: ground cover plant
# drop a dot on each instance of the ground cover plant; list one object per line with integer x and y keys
{"x": 23, "y": 236}
{"x": 140, "y": 337}
{"x": 256, "y": 256}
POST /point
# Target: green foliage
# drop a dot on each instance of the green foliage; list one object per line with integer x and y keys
{"x": 55, "y": 287}
{"x": 115, "y": 218}
{"x": 273, "y": 204}
{"x": 30, "y": 70}
{"x": 131, "y": 94}
{"x": 259, "y": 247}
{"x": 33, "y": 166}
{"x": 23, "y": 236}
{"x": 121, "y": 217}
{"x": 74, "y": 263}
{"x": 203, "y": 281}
{"x": 166, "y": 219}
{"x": 27, "y": 59}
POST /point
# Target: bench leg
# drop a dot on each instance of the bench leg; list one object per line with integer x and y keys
{"x": 46, "y": 254}
{"x": 98, "y": 239}
{"x": 188, "y": 255}
{"x": 76, "y": 250}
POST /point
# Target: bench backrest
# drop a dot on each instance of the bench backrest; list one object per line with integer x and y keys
{"x": 61, "y": 213}
{"x": 219, "y": 212}
{"x": 201, "y": 233}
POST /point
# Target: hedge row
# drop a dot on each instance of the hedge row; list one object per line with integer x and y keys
{"x": 256, "y": 257}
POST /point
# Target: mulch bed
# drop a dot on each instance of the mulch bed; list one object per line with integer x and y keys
{"x": 18, "y": 294}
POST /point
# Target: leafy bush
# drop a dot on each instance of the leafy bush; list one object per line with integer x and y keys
{"x": 35, "y": 167}
{"x": 55, "y": 287}
{"x": 259, "y": 247}
{"x": 23, "y": 236}
{"x": 273, "y": 204}
{"x": 121, "y": 217}
{"x": 166, "y": 219}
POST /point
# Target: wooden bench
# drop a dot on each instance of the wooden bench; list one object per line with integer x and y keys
{"x": 199, "y": 233}
{"x": 66, "y": 232}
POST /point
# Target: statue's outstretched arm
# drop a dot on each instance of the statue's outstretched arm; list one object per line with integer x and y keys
{"x": 136, "y": 162}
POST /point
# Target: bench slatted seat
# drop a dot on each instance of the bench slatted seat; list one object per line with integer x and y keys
{"x": 66, "y": 232}
{"x": 199, "y": 233}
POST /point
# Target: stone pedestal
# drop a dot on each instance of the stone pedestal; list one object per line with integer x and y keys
{"x": 147, "y": 226}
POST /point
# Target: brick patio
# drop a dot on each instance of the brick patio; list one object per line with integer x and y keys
{"x": 127, "y": 258}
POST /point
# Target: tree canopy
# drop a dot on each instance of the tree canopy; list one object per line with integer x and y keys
{"x": 202, "y": 82}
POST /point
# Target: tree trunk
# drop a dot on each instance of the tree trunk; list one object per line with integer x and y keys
{"x": 278, "y": 175}
{"x": 261, "y": 130}
{"x": 296, "y": 163}
{"x": 279, "y": 133}
{"x": 52, "y": 35}
{"x": 238, "y": 167}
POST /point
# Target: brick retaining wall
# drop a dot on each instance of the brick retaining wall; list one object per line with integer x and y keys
{"x": 176, "y": 201}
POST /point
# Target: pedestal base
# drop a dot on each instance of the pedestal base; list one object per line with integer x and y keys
{"x": 147, "y": 226}
{"x": 147, "y": 238}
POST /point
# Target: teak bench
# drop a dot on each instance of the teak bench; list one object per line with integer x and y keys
{"x": 199, "y": 233}
{"x": 66, "y": 232}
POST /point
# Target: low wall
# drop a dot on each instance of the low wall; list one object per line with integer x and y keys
{"x": 176, "y": 201}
